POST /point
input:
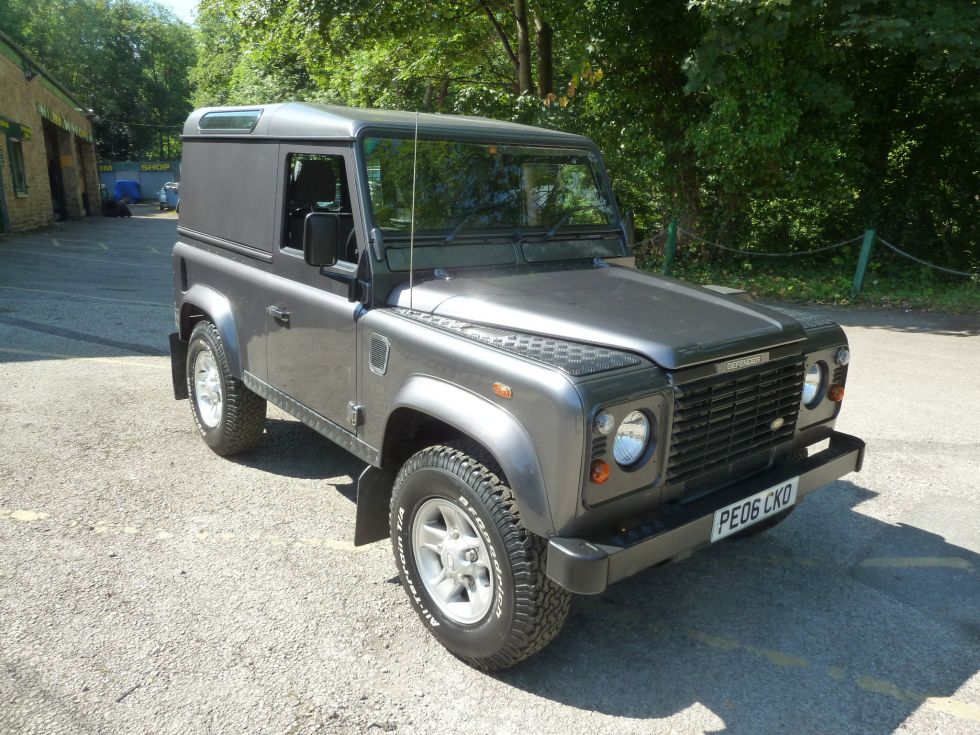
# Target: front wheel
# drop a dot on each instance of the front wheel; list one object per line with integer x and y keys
{"x": 472, "y": 572}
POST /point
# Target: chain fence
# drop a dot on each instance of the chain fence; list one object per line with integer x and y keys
{"x": 926, "y": 263}
{"x": 766, "y": 254}
{"x": 868, "y": 238}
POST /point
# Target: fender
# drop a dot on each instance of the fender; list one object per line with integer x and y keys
{"x": 497, "y": 430}
{"x": 218, "y": 308}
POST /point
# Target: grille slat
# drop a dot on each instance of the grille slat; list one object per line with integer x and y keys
{"x": 722, "y": 424}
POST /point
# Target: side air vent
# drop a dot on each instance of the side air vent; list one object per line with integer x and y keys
{"x": 379, "y": 354}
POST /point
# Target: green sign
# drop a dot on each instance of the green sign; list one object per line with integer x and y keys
{"x": 107, "y": 166}
{"x": 14, "y": 130}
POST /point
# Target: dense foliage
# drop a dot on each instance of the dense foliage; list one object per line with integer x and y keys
{"x": 128, "y": 61}
{"x": 771, "y": 124}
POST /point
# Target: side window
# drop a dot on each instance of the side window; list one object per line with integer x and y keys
{"x": 17, "y": 170}
{"x": 316, "y": 182}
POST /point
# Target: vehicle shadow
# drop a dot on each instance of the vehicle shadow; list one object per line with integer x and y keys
{"x": 832, "y": 622}
{"x": 291, "y": 449}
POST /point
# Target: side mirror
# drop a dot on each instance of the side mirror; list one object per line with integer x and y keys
{"x": 321, "y": 230}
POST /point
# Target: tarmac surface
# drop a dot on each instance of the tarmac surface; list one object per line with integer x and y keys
{"x": 147, "y": 585}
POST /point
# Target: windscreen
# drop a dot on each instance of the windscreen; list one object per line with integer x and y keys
{"x": 470, "y": 187}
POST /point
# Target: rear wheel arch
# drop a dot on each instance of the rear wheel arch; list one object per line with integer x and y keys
{"x": 203, "y": 303}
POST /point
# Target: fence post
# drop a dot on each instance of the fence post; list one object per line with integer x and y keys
{"x": 869, "y": 241}
{"x": 670, "y": 249}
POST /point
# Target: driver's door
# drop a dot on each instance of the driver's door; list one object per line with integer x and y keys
{"x": 311, "y": 343}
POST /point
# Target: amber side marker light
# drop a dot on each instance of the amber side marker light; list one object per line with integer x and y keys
{"x": 502, "y": 390}
{"x": 599, "y": 472}
{"x": 836, "y": 393}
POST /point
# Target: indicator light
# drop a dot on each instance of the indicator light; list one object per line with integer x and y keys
{"x": 502, "y": 390}
{"x": 599, "y": 472}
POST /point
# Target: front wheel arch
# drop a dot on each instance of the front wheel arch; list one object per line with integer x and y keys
{"x": 425, "y": 402}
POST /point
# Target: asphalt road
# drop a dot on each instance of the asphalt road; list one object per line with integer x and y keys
{"x": 147, "y": 585}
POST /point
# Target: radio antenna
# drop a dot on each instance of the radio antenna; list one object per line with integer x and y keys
{"x": 411, "y": 237}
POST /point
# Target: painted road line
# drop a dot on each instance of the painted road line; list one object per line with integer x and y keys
{"x": 74, "y": 242}
{"x": 918, "y": 562}
{"x": 85, "y": 296}
{"x": 192, "y": 532}
{"x": 949, "y": 705}
{"x": 73, "y": 256}
{"x": 117, "y": 361}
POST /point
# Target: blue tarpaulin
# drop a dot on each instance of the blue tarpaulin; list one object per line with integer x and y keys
{"x": 129, "y": 189}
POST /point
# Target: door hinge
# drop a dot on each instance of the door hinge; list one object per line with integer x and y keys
{"x": 355, "y": 414}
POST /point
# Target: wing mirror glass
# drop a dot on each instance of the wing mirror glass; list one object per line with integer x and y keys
{"x": 321, "y": 232}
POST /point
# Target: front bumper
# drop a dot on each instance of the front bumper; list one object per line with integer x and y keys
{"x": 588, "y": 567}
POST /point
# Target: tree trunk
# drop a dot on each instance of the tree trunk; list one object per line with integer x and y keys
{"x": 524, "y": 75}
{"x": 543, "y": 39}
{"x": 443, "y": 93}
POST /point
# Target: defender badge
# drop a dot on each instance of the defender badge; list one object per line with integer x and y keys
{"x": 744, "y": 362}
{"x": 777, "y": 424}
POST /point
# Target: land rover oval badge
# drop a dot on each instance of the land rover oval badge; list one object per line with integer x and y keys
{"x": 777, "y": 423}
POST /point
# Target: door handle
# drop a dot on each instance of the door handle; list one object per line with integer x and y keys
{"x": 279, "y": 314}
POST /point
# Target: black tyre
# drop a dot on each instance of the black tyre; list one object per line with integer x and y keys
{"x": 229, "y": 416}
{"x": 472, "y": 572}
{"x": 772, "y": 521}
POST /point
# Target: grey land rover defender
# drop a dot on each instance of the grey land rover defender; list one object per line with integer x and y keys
{"x": 447, "y": 299}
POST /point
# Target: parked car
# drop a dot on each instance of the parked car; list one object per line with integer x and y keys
{"x": 169, "y": 196}
{"x": 447, "y": 299}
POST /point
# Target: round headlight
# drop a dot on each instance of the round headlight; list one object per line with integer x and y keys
{"x": 632, "y": 438}
{"x": 814, "y": 383}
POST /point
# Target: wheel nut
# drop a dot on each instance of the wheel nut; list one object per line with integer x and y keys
{"x": 470, "y": 555}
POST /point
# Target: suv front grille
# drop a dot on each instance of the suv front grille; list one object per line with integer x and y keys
{"x": 723, "y": 423}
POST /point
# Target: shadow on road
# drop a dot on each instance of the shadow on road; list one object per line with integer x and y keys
{"x": 291, "y": 449}
{"x": 769, "y": 642}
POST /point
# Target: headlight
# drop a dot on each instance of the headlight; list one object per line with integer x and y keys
{"x": 814, "y": 383}
{"x": 632, "y": 438}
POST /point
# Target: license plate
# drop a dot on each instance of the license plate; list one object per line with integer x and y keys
{"x": 753, "y": 509}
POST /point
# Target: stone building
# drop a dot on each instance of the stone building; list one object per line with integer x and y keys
{"x": 47, "y": 158}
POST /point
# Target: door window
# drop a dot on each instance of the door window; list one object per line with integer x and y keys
{"x": 317, "y": 182}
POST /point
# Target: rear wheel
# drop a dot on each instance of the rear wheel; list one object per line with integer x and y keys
{"x": 473, "y": 573}
{"x": 230, "y": 417}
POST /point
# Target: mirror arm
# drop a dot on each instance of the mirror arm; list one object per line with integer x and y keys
{"x": 357, "y": 290}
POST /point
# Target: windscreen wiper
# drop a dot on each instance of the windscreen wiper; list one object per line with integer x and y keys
{"x": 467, "y": 216}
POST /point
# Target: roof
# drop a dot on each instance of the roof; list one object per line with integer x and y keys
{"x": 27, "y": 60}
{"x": 306, "y": 120}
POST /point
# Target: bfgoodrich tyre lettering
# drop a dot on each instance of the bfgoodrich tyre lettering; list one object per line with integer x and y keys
{"x": 527, "y": 608}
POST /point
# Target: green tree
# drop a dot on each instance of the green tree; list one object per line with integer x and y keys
{"x": 128, "y": 61}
